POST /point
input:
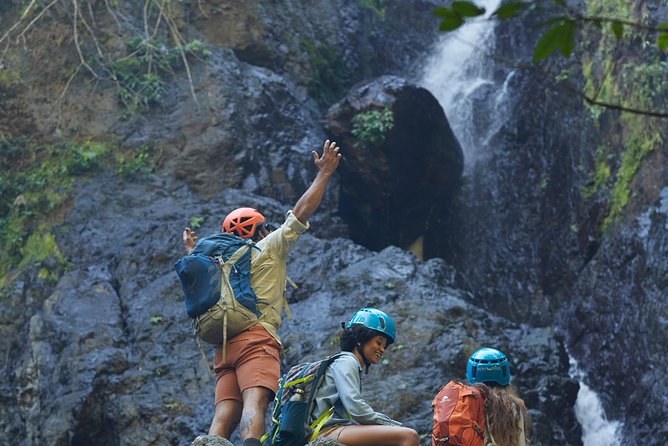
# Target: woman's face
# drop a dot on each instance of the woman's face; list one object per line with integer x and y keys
{"x": 374, "y": 349}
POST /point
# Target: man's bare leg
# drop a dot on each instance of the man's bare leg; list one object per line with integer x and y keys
{"x": 225, "y": 418}
{"x": 256, "y": 401}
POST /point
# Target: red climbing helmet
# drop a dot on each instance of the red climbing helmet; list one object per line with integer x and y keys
{"x": 242, "y": 222}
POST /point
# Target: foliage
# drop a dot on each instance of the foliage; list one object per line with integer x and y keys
{"x": 133, "y": 161}
{"x": 640, "y": 82}
{"x": 453, "y": 17}
{"x": 140, "y": 75}
{"x": 640, "y": 138}
{"x": 563, "y": 24}
{"x": 135, "y": 57}
{"x": 329, "y": 75}
{"x": 196, "y": 221}
{"x": 370, "y": 128}
{"x": 377, "y": 7}
{"x": 36, "y": 184}
{"x": 636, "y": 86}
{"x": 599, "y": 178}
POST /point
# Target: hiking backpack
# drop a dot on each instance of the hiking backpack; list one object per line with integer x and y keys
{"x": 215, "y": 279}
{"x": 459, "y": 417}
{"x": 292, "y": 423}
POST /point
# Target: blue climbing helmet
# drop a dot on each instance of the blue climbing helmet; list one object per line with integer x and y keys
{"x": 488, "y": 365}
{"x": 375, "y": 320}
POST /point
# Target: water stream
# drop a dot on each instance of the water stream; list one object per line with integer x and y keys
{"x": 459, "y": 75}
{"x": 597, "y": 430}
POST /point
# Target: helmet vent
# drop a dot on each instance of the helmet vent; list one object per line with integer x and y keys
{"x": 382, "y": 322}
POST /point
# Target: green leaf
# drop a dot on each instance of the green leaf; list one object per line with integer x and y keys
{"x": 451, "y": 21}
{"x": 617, "y": 29}
{"x": 662, "y": 40}
{"x": 547, "y": 43}
{"x": 509, "y": 10}
{"x": 663, "y": 26}
{"x": 559, "y": 19}
{"x": 567, "y": 38}
{"x": 467, "y": 9}
{"x": 440, "y": 11}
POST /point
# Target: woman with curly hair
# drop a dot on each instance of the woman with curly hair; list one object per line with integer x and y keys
{"x": 352, "y": 421}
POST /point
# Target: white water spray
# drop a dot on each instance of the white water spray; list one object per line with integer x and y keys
{"x": 597, "y": 430}
{"x": 458, "y": 72}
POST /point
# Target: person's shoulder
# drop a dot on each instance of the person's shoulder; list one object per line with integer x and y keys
{"x": 347, "y": 360}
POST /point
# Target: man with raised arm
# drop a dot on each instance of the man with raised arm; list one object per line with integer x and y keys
{"x": 248, "y": 379}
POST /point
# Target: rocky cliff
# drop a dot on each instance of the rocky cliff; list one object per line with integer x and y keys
{"x": 97, "y": 345}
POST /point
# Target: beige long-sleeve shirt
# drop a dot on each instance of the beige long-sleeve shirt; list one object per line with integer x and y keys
{"x": 268, "y": 272}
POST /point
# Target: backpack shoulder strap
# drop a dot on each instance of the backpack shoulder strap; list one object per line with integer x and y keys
{"x": 318, "y": 423}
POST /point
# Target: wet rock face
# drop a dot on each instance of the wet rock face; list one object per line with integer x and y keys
{"x": 390, "y": 188}
{"x": 530, "y": 244}
{"x": 249, "y": 130}
{"x": 323, "y": 45}
{"x": 617, "y": 326}
{"x": 108, "y": 356}
{"x": 521, "y": 229}
{"x": 271, "y": 66}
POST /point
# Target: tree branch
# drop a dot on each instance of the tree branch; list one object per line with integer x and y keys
{"x": 75, "y": 30}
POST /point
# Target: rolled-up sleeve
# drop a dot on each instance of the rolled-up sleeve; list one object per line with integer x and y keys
{"x": 284, "y": 238}
{"x": 347, "y": 379}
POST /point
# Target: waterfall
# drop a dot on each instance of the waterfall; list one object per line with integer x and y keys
{"x": 597, "y": 430}
{"x": 460, "y": 76}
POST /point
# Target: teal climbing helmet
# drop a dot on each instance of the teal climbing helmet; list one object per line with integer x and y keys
{"x": 375, "y": 320}
{"x": 489, "y": 366}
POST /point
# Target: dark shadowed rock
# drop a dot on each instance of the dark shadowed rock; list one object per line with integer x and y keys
{"x": 620, "y": 319}
{"x": 108, "y": 357}
{"x": 390, "y": 189}
{"x": 249, "y": 130}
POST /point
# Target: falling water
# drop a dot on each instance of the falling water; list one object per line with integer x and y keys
{"x": 459, "y": 75}
{"x": 597, "y": 430}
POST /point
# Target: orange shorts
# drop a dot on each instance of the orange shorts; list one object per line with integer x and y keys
{"x": 252, "y": 360}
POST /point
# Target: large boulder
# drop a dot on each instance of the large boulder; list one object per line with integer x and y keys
{"x": 391, "y": 187}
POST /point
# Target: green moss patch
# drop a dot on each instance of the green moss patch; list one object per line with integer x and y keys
{"x": 36, "y": 187}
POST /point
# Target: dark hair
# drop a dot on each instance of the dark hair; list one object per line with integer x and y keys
{"x": 357, "y": 334}
{"x": 262, "y": 226}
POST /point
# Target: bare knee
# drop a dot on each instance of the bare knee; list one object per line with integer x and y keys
{"x": 258, "y": 397}
{"x": 409, "y": 437}
{"x": 226, "y": 416}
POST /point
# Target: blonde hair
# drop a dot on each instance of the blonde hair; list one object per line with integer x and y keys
{"x": 504, "y": 411}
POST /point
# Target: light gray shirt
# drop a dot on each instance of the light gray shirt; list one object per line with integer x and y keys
{"x": 342, "y": 388}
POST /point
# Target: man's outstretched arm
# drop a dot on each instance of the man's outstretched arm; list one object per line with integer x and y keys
{"x": 326, "y": 164}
